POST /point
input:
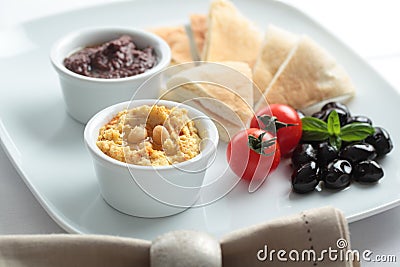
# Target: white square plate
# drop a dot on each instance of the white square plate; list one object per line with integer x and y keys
{"x": 46, "y": 145}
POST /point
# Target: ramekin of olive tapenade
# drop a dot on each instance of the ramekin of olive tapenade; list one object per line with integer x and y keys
{"x": 118, "y": 58}
{"x": 113, "y": 65}
{"x": 337, "y": 149}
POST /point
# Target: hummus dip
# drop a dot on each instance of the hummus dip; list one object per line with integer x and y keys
{"x": 150, "y": 136}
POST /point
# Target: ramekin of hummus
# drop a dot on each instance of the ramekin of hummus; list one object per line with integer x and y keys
{"x": 150, "y": 136}
{"x": 150, "y": 156}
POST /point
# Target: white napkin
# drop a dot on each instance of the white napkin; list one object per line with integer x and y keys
{"x": 316, "y": 230}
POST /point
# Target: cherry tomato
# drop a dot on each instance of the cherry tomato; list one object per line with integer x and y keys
{"x": 288, "y": 137}
{"x": 248, "y": 164}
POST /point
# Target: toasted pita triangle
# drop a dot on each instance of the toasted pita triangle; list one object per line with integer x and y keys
{"x": 308, "y": 75}
{"x": 275, "y": 49}
{"x": 198, "y": 24}
{"x": 199, "y": 86}
{"x": 226, "y": 120}
{"x": 230, "y": 36}
{"x": 178, "y": 41}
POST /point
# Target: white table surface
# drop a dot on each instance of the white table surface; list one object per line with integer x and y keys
{"x": 370, "y": 27}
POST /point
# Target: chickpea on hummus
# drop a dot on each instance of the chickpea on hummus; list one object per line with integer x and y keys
{"x": 150, "y": 136}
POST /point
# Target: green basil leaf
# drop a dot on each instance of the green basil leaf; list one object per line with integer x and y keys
{"x": 312, "y": 124}
{"x": 335, "y": 141}
{"x": 314, "y": 136}
{"x": 356, "y": 131}
{"x": 333, "y": 123}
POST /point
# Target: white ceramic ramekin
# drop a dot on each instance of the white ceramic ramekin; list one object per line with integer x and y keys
{"x": 147, "y": 191}
{"x": 85, "y": 96}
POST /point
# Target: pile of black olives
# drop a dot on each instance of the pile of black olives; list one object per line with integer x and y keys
{"x": 319, "y": 162}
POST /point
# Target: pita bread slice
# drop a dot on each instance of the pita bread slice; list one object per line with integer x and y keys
{"x": 178, "y": 41}
{"x": 275, "y": 49}
{"x": 198, "y": 24}
{"x": 230, "y": 36}
{"x": 204, "y": 87}
{"x": 228, "y": 123}
{"x": 308, "y": 75}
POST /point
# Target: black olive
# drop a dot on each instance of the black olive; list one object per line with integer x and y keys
{"x": 319, "y": 115}
{"x": 336, "y": 105}
{"x": 367, "y": 171}
{"x": 337, "y": 175}
{"x": 361, "y": 119}
{"x": 314, "y": 144}
{"x": 344, "y": 143}
{"x": 305, "y": 178}
{"x": 302, "y": 154}
{"x": 325, "y": 154}
{"x": 358, "y": 152}
{"x": 324, "y": 115}
{"x": 381, "y": 141}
